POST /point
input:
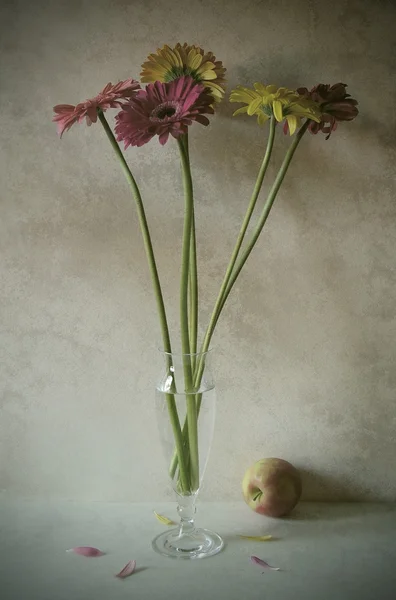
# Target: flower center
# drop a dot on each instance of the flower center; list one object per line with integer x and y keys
{"x": 167, "y": 111}
{"x": 164, "y": 111}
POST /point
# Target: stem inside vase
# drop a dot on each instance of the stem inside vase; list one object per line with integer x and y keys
{"x": 188, "y": 403}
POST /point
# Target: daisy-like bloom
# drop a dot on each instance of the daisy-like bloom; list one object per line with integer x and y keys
{"x": 171, "y": 63}
{"x": 162, "y": 109}
{"x": 267, "y": 101}
{"x": 336, "y": 105}
{"x": 110, "y": 97}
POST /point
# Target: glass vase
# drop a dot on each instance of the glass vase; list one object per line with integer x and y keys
{"x": 185, "y": 405}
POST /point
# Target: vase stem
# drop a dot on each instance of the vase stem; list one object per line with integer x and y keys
{"x": 186, "y": 509}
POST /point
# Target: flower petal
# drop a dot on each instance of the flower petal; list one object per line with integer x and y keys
{"x": 242, "y": 94}
{"x": 202, "y": 119}
{"x": 254, "y": 105}
{"x": 86, "y": 551}
{"x": 207, "y": 75}
{"x": 127, "y": 570}
{"x": 163, "y": 137}
{"x": 196, "y": 61}
{"x": 206, "y": 66}
{"x": 240, "y": 111}
{"x": 164, "y": 520}
{"x": 292, "y": 121}
{"x": 262, "y": 563}
{"x": 272, "y": 89}
{"x": 260, "y": 88}
{"x": 62, "y": 109}
{"x": 277, "y": 109}
{"x": 262, "y": 118}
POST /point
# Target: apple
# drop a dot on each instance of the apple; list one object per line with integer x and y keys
{"x": 272, "y": 487}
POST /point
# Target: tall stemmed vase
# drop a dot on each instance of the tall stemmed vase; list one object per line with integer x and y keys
{"x": 186, "y": 541}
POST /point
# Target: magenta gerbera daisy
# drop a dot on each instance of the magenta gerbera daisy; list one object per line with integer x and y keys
{"x": 162, "y": 109}
{"x": 110, "y": 97}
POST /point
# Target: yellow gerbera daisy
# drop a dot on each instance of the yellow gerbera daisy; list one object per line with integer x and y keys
{"x": 170, "y": 63}
{"x": 267, "y": 101}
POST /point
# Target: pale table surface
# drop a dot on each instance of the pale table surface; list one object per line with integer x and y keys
{"x": 325, "y": 551}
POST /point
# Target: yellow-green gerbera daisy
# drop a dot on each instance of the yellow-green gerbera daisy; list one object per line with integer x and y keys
{"x": 170, "y": 63}
{"x": 267, "y": 101}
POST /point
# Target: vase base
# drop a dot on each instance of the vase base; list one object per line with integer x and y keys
{"x": 200, "y": 543}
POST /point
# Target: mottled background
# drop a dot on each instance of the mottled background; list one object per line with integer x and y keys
{"x": 306, "y": 347}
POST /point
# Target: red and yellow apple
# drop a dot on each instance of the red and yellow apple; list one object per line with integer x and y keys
{"x": 272, "y": 487}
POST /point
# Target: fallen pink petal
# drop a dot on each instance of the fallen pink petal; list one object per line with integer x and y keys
{"x": 86, "y": 551}
{"x": 262, "y": 563}
{"x": 127, "y": 570}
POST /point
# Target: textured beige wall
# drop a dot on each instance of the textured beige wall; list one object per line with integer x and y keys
{"x": 306, "y": 347}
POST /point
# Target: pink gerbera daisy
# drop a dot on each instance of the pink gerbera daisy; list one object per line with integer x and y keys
{"x": 110, "y": 97}
{"x": 162, "y": 109}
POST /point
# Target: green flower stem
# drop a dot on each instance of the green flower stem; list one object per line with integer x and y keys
{"x": 193, "y": 292}
{"x": 145, "y": 232}
{"x": 227, "y": 276}
{"x": 260, "y": 224}
{"x": 184, "y": 478}
{"x": 184, "y": 321}
{"x": 193, "y": 277}
{"x": 256, "y": 191}
{"x": 174, "y": 417}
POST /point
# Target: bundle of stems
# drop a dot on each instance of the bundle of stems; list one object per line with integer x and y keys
{"x": 185, "y": 462}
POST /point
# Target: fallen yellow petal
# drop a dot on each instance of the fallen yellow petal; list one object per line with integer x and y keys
{"x": 257, "y": 538}
{"x": 164, "y": 520}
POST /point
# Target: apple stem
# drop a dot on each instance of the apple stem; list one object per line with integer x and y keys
{"x": 257, "y": 496}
